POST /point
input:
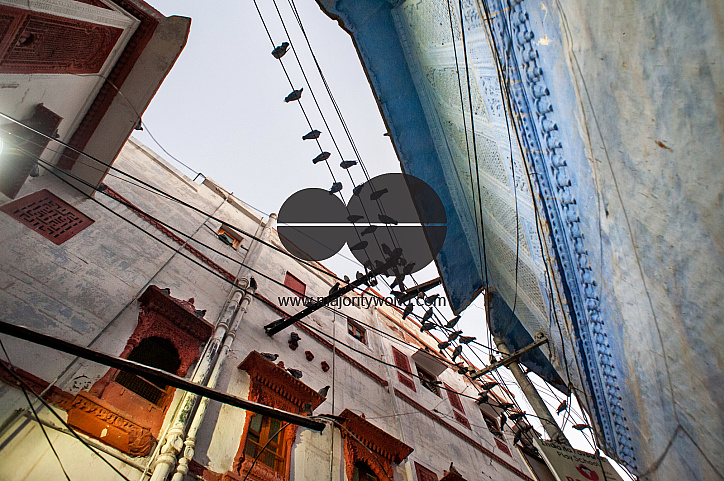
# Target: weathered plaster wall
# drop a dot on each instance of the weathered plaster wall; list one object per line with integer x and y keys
{"x": 648, "y": 82}
{"x": 75, "y": 291}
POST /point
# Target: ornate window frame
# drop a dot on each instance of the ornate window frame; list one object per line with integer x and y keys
{"x": 364, "y": 442}
{"x": 272, "y": 385}
{"x": 110, "y": 412}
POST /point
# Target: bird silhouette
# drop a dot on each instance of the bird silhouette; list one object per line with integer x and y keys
{"x": 430, "y": 300}
{"x": 346, "y": 279}
{"x": 359, "y": 246}
{"x": 357, "y": 189}
{"x": 482, "y": 398}
{"x": 454, "y": 335}
{"x": 489, "y": 385}
{"x": 378, "y": 193}
{"x": 334, "y": 288}
{"x": 386, "y": 219}
{"x": 407, "y": 270}
{"x": 465, "y": 339}
{"x": 506, "y": 405}
{"x": 451, "y": 323}
{"x": 336, "y": 187}
{"x": 296, "y": 373}
{"x": 321, "y": 157}
{"x": 312, "y": 135}
{"x": 346, "y": 164}
{"x": 562, "y": 407}
{"x": 426, "y": 326}
{"x": 580, "y": 427}
{"x": 443, "y": 345}
{"x": 307, "y": 408}
{"x": 200, "y": 313}
{"x": 427, "y": 315}
{"x": 354, "y": 218}
{"x": 269, "y": 357}
{"x": 515, "y": 416}
{"x": 520, "y": 433}
{"x": 369, "y": 230}
{"x": 281, "y": 50}
{"x": 295, "y": 337}
{"x": 324, "y": 391}
{"x": 408, "y": 310}
{"x": 294, "y": 95}
{"x": 457, "y": 351}
{"x": 503, "y": 420}
{"x": 166, "y": 291}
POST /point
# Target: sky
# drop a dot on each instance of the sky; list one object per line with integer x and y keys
{"x": 221, "y": 111}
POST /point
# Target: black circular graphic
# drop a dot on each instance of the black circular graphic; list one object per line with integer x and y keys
{"x": 389, "y": 215}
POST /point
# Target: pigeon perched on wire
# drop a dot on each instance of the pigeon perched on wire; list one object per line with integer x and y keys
{"x": 520, "y": 432}
{"x": 430, "y": 300}
{"x": 580, "y": 427}
{"x": 347, "y": 279}
{"x": 378, "y": 193}
{"x": 386, "y": 219}
{"x": 426, "y": 326}
{"x": 506, "y": 405}
{"x": 346, "y": 164}
{"x": 457, "y": 351}
{"x": 336, "y": 187}
{"x": 369, "y": 230}
{"x": 482, "y": 398}
{"x": 294, "y": 95}
{"x": 354, "y": 218}
{"x": 321, "y": 157}
{"x": 516, "y": 416}
{"x": 562, "y": 407}
{"x": 454, "y": 335}
{"x": 465, "y": 339}
{"x": 407, "y": 270}
{"x": 296, "y": 373}
{"x": 427, "y": 315}
{"x": 324, "y": 391}
{"x": 357, "y": 189}
{"x": 334, "y": 288}
{"x": 280, "y": 51}
{"x": 462, "y": 368}
{"x": 443, "y": 345}
{"x": 452, "y": 322}
{"x": 408, "y": 310}
{"x": 489, "y": 385}
{"x": 359, "y": 246}
{"x": 312, "y": 135}
{"x": 503, "y": 420}
{"x": 269, "y": 357}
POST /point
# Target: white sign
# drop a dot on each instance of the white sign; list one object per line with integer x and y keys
{"x": 569, "y": 464}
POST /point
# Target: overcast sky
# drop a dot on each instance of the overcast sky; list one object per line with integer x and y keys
{"x": 221, "y": 110}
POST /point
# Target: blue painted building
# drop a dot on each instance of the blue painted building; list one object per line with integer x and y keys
{"x": 592, "y": 210}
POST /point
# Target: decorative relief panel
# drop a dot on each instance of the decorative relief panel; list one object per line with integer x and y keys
{"x": 43, "y": 43}
{"x": 48, "y": 215}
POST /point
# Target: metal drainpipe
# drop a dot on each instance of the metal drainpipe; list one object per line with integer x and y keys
{"x": 173, "y": 443}
{"x": 175, "y": 436}
{"x": 190, "y": 442}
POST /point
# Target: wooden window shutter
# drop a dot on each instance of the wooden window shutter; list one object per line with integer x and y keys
{"x": 454, "y": 399}
{"x": 403, "y": 363}
{"x": 424, "y": 474}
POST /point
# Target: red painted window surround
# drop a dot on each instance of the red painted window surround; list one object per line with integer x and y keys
{"x": 297, "y": 286}
{"x": 503, "y": 447}
{"x": 424, "y": 474}
{"x": 454, "y": 399}
{"x": 403, "y": 363}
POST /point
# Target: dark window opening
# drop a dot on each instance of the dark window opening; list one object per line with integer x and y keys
{"x": 263, "y": 430}
{"x": 155, "y": 352}
{"x": 428, "y": 381}
{"x": 228, "y": 238}
{"x": 356, "y": 331}
{"x": 362, "y": 472}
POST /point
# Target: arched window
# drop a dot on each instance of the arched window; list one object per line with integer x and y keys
{"x": 155, "y": 352}
{"x": 362, "y": 472}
